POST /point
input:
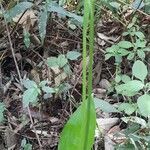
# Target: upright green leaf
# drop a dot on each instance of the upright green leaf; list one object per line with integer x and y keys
{"x": 72, "y": 136}
{"x": 139, "y": 70}
{"x": 144, "y": 104}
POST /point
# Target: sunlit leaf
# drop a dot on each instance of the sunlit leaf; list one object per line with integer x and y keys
{"x": 30, "y": 96}
{"x": 73, "y": 134}
{"x": 29, "y": 84}
{"x": 125, "y": 44}
{"x": 104, "y": 106}
{"x": 130, "y": 88}
{"x": 144, "y": 104}
{"x": 127, "y": 108}
{"x": 73, "y": 55}
{"x": 52, "y": 62}
{"x": 139, "y": 70}
{"x": 61, "y": 60}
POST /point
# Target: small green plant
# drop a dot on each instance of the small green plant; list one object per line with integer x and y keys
{"x": 133, "y": 87}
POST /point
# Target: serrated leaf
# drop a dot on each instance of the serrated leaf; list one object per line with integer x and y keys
{"x": 29, "y": 84}
{"x": 72, "y": 136}
{"x": 48, "y": 90}
{"x": 139, "y": 70}
{"x": 18, "y": 9}
{"x": 43, "y": 23}
{"x": 125, "y": 44}
{"x": 144, "y": 105}
{"x": 104, "y": 106}
{"x": 130, "y": 88}
{"x": 61, "y": 60}
{"x": 52, "y": 62}
{"x": 2, "y": 109}
{"x": 30, "y": 96}
{"x": 73, "y": 55}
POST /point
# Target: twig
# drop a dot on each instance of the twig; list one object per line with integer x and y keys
{"x": 37, "y": 136}
{"x": 11, "y": 47}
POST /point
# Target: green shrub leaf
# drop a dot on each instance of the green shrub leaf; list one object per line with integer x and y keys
{"x": 130, "y": 88}
{"x": 73, "y": 55}
{"x": 29, "y": 84}
{"x": 61, "y": 61}
{"x": 18, "y": 9}
{"x": 127, "y": 108}
{"x": 139, "y": 70}
{"x": 52, "y": 62}
{"x": 73, "y": 134}
{"x": 43, "y": 23}
{"x": 125, "y": 44}
{"x": 104, "y": 106}
{"x": 30, "y": 95}
{"x": 48, "y": 90}
{"x": 144, "y": 105}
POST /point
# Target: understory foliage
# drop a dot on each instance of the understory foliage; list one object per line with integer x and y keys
{"x": 131, "y": 87}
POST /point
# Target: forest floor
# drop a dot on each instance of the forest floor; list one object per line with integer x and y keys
{"x": 52, "y": 112}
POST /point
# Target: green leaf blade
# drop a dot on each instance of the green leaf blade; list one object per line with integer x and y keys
{"x": 73, "y": 55}
{"x": 144, "y": 105}
{"x": 72, "y": 137}
{"x": 30, "y": 96}
{"x": 139, "y": 70}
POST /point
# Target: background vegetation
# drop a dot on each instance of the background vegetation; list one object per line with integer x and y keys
{"x": 74, "y": 74}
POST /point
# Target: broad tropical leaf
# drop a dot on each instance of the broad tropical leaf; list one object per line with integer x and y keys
{"x": 73, "y": 134}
